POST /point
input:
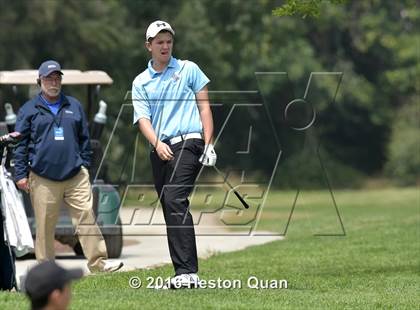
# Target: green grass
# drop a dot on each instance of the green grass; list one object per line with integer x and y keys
{"x": 376, "y": 265}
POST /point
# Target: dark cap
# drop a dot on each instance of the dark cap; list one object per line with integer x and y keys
{"x": 45, "y": 277}
{"x": 48, "y": 67}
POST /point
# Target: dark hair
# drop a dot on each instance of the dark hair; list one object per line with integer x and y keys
{"x": 163, "y": 31}
{"x": 40, "y": 302}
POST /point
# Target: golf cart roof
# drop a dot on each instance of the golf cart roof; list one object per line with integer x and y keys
{"x": 70, "y": 77}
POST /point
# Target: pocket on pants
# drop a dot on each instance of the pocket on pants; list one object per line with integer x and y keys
{"x": 198, "y": 146}
{"x": 84, "y": 171}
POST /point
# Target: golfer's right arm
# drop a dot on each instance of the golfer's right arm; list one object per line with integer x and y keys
{"x": 142, "y": 116}
{"x": 163, "y": 150}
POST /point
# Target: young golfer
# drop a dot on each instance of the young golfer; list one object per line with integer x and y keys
{"x": 172, "y": 110}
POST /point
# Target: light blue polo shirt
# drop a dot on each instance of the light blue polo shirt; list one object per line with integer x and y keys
{"x": 167, "y": 98}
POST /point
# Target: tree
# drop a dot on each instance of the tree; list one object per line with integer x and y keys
{"x": 304, "y": 8}
{"x": 372, "y": 42}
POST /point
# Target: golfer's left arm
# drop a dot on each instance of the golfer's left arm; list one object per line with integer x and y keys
{"x": 206, "y": 116}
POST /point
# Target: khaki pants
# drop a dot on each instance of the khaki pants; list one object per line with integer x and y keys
{"x": 47, "y": 197}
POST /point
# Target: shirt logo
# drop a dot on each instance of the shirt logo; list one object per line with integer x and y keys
{"x": 68, "y": 111}
{"x": 175, "y": 77}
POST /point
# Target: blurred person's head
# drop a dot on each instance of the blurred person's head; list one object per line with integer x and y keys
{"x": 159, "y": 41}
{"x": 49, "y": 79}
{"x": 47, "y": 286}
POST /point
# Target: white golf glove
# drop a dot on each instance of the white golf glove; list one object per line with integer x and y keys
{"x": 209, "y": 156}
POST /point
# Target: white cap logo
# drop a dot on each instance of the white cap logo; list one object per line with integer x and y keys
{"x": 156, "y": 27}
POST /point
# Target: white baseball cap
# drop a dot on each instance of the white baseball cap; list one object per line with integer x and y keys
{"x": 156, "y": 27}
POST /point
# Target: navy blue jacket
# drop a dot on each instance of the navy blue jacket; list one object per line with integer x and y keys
{"x": 40, "y": 152}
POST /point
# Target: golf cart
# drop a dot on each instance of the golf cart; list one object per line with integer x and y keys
{"x": 106, "y": 199}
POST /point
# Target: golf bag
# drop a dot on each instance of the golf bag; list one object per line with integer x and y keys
{"x": 15, "y": 234}
{"x": 7, "y": 262}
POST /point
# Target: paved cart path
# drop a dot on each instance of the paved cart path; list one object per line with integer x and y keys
{"x": 145, "y": 245}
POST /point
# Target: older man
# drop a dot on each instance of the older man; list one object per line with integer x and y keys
{"x": 51, "y": 164}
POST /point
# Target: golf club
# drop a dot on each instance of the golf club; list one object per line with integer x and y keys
{"x": 231, "y": 187}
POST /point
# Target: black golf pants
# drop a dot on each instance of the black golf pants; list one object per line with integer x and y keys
{"x": 174, "y": 181}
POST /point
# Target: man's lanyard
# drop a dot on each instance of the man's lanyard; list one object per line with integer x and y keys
{"x": 57, "y": 117}
{"x": 58, "y": 130}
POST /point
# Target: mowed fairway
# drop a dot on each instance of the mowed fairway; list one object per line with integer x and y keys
{"x": 375, "y": 265}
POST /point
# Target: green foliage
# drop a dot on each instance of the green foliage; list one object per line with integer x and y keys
{"x": 304, "y": 8}
{"x": 404, "y": 147}
{"x": 373, "y": 43}
{"x": 317, "y": 170}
